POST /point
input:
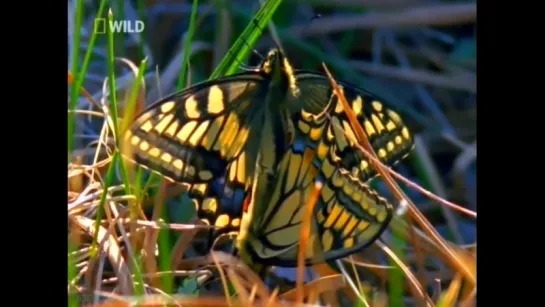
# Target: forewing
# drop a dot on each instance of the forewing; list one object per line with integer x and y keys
{"x": 197, "y": 138}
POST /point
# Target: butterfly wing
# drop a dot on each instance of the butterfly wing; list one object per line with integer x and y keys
{"x": 198, "y": 137}
{"x": 384, "y": 127}
{"x": 348, "y": 215}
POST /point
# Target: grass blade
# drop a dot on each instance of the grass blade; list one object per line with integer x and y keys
{"x": 75, "y": 62}
{"x": 245, "y": 42}
{"x": 111, "y": 76}
{"x": 187, "y": 46}
{"x": 79, "y": 77}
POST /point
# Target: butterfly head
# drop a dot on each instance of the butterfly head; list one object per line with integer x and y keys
{"x": 277, "y": 66}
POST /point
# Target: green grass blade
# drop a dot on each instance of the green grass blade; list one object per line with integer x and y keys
{"x": 245, "y": 42}
{"x": 79, "y": 77}
{"x": 120, "y": 14}
{"x": 131, "y": 104}
{"x": 111, "y": 77}
{"x": 72, "y": 271}
{"x": 75, "y": 61}
{"x": 187, "y": 45}
{"x": 113, "y": 98}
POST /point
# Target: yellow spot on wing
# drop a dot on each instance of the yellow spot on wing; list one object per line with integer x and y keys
{"x": 235, "y": 222}
{"x": 186, "y": 130}
{"x": 398, "y": 140}
{"x": 394, "y": 116}
{"x": 161, "y": 126}
{"x": 382, "y": 153}
{"x": 327, "y": 240}
{"x": 377, "y": 106}
{"x": 315, "y": 134}
{"x": 200, "y": 187}
{"x": 179, "y": 164}
{"x": 210, "y": 204}
{"x": 144, "y": 146}
{"x": 191, "y": 109}
{"x": 322, "y": 150}
{"x": 197, "y": 135}
{"x": 233, "y": 171}
{"x": 227, "y": 136}
{"x": 357, "y": 105}
{"x": 222, "y": 221}
{"x": 348, "y": 243}
{"x": 341, "y": 221}
{"x": 405, "y": 133}
{"x": 333, "y": 215}
{"x": 172, "y": 129}
{"x": 155, "y": 152}
{"x": 215, "y": 100}
{"x": 167, "y": 106}
{"x": 338, "y": 107}
{"x": 147, "y": 126}
{"x": 369, "y": 129}
{"x": 390, "y": 125}
{"x": 239, "y": 142}
{"x": 135, "y": 140}
{"x": 303, "y": 127}
{"x": 381, "y": 216}
{"x": 166, "y": 157}
{"x": 349, "y": 132}
{"x": 390, "y": 146}
{"x": 209, "y": 138}
{"x": 241, "y": 169}
{"x": 378, "y": 123}
{"x": 351, "y": 224}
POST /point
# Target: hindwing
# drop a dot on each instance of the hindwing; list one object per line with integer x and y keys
{"x": 348, "y": 216}
{"x": 383, "y": 126}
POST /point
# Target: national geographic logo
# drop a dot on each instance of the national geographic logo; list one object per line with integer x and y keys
{"x": 119, "y": 26}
